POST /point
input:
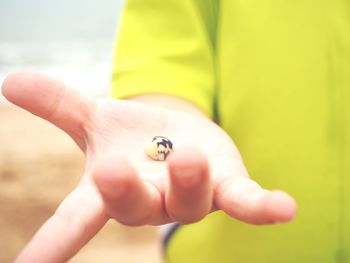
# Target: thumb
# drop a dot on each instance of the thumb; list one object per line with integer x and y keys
{"x": 51, "y": 100}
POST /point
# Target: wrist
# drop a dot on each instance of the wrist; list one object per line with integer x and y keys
{"x": 169, "y": 102}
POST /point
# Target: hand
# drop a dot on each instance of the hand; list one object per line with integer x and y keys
{"x": 205, "y": 173}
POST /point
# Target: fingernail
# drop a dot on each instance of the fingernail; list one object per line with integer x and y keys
{"x": 112, "y": 190}
{"x": 187, "y": 177}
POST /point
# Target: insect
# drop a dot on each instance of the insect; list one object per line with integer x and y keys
{"x": 159, "y": 148}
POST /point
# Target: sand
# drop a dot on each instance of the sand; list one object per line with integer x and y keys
{"x": 39, "y": 166}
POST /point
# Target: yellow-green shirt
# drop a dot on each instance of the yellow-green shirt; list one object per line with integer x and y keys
{"x": 276, "y": 75}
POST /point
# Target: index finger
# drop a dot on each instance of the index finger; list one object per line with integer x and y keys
{"x": 75, "y": 222}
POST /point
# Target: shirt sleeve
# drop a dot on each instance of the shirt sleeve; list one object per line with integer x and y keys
{"x": 164, "y": 47}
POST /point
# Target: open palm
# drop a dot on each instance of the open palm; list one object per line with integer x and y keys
{"x": 204, "y": 173}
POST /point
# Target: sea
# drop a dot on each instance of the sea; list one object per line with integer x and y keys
{"x": 69, "y": 40}
{"x": 83, "y": 65}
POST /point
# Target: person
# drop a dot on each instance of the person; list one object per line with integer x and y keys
{"x": 274, "y": 76}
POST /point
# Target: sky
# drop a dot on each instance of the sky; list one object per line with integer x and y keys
{"x": 42, "y": 20}
{"x": 71, "y": 40}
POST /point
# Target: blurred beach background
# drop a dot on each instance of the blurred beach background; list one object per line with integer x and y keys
{"x": 39, "y": 165}
{"x": 70, "y": 40}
